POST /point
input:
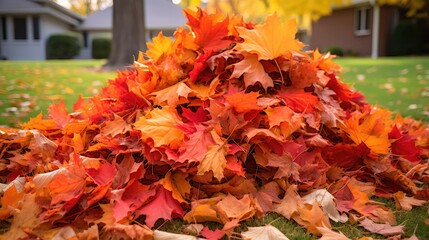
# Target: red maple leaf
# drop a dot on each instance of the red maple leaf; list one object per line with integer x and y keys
{"x": 298, "y": 99}
{"x": 59, "y": 113}
{"x": 212, "y": 235}
{"x": 163, "y": 206}
{"x": 404, "y": 145}
{"x": 211, "y": 30}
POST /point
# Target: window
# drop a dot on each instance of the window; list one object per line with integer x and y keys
{"x": 20, "y": 28}
{"x": 36, "y": 27}
{"x": 362, "y": 21}
{"x": 4, "y": 28}
{"x": 85, "y": 39}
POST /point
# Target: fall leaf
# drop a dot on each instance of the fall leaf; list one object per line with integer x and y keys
{"x": 326, "y": 201}
{"x": 161, "y": 235}
{"x": 115, "y": 127}
{"x": 173, "y": 94}
{"x": 214, "y": 161}
{"x": 270, "y": 40}
{"x": 290, "y": 204}
{"x": 212, "y": 235}
{"x": 163, "y": 206}
{"x": 371, "y": 129}
{"x": 406, "y": 203}
{"x": 298, "y": 100}
{"x": 384, "y": 229}
{"x": 177, "y": 184}
{"x": 328, "y": 234}
{"x": 59, "y": 113}
{"x": 68, "y": 186}
{"x": 161, "y": 125}
{"x": 10, "y": 199}
{"x": 232, "y": 208}
{"x": 160, "y": 47}
{"x": 267, "y": 232}
{"x": 26, "y": 218}
{"x": 244, "y": 102}
{"x": 252, "y": 71}
{"x": 125, "y": 231}
{"x": 312, "y": 217}
{"x": 196, "y": 147}
{"x": 211, "y": 30}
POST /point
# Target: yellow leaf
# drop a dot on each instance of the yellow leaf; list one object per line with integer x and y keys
{"x": 161, "y": 126}
{"x": 370, "y": 128}
{"x": 160, "y": 47}
{"x": 172, "y": 94}
{"x": 204, "y": 210}
{"x": 214, "y": 161}
{"x": 271, "y": 40}
{"x": 177, "y": 184}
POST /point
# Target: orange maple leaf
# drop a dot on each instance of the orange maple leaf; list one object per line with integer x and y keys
{"x": 211, "y": 30}
{"x": 177, "y": 184}
{"x": 252, "y": 71}
{"x": 244, "y": 102}
{"x": 214, "y": 161}
{"x": 271, "y": 40}
{"x": 161, "y": 125}
{"x": 173, "y": 95}
{"x": 159, "y": 48}
{"x": 298, "y": 99}
{"x": 59, "y": 113}
{"x": 10, "y": 199}
{"x": 232, "y": 208}
{"x": 370, "y": 128}
{"x": 312, "y": 217}
{"x": 68, "y": 185}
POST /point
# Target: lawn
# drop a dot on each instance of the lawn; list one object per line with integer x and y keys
{"x": 29, "y": 87}
{"x": 400, "y": 84}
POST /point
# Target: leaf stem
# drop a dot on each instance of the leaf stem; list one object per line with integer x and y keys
{"x": 280, "y": 70}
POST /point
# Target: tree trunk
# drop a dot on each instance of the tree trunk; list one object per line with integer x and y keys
{"x": 129, "y": 33}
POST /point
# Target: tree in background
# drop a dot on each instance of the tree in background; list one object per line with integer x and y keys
{"x": 86, "y": 7}
{"x": 304, "y": 11}
{"x": 415, "y": 8}
{"x": 129, "y": 33}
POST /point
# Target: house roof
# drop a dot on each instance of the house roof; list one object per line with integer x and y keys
{"x": 159, "y": 14}
{"x": 40, "y": 7}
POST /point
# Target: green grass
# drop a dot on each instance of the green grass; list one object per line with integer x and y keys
{"x": 412, "y": 220}
{"x": 400, "y": 84}
{"x": 29, "y": 87}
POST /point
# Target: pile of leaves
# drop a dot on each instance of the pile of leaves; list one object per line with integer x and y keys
{"x": 225, "y": 122}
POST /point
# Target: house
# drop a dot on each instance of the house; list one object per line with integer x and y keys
{"x": 363, "y": 27}
{"x": 25, "y": 26}
{"x": 160, "y": 15}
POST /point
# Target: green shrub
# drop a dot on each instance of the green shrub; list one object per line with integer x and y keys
{"x": 405, "y": 39}
{"x": 335, "y": 50}
{"x": 62, "y": 46}
{"x": 100, "y": 48}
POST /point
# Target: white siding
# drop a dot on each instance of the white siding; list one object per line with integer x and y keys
{"x": 31, "y": 49}
{"x": 28, "y": 49}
